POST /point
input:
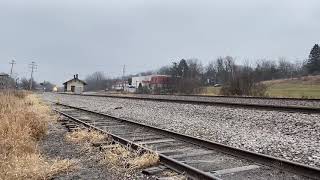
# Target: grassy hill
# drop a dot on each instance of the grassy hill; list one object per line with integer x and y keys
{"x": 303, "y": 87}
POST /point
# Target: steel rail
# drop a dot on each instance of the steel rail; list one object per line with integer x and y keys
{"x": 296, "y": 168}
{"x": 305, "y": 109}
{"x": 169, "y": 162}
{"x": 238, "y": 97}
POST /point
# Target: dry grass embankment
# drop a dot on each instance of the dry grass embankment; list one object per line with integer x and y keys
{"x": 120, "y": 159}
{"x": 23, "y": 121}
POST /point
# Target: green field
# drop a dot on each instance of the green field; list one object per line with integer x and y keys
{"x": 294, "y": 90}
{"x": 210, "y": 91}
{"x": 304, "y": 87}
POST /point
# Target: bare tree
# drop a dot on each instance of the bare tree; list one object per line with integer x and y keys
{"x": 96, "y": 81}
{"x": 25, "y": 84}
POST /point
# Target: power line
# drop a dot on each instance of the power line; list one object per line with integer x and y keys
{"x": 12, "y": 63}
{"x": 33, "y": 67}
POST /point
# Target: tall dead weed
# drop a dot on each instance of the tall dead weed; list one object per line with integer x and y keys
{"x": 23, "y": 121}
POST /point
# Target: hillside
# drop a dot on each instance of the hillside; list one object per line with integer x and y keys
{"x": 303, "y": 87}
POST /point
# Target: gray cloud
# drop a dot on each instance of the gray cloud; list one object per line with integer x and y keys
{"x": 77, "y": 36}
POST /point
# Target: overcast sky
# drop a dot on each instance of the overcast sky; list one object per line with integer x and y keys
{"x": 65, "y": 37}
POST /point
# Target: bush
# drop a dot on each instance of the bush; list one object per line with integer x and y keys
{"x": 143, "y": 89}
{"x": 257, "y": 89}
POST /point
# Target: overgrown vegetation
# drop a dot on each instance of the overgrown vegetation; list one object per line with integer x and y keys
{"x": 98, "y": 81}
{"x": 24, "y": 121}
{"x": 126, "y": 160}
{"x": 122, "y": 160}
{"x": 83, "y": 136}
{"x": 143, "y": 89}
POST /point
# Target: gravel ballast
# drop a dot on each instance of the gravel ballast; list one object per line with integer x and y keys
{"x": 292, "y": 136}
{"x": 238, "y": 100}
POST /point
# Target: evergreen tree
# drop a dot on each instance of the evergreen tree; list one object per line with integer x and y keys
{"x": 313, "y": 64}
{"x": 183, "y": 68}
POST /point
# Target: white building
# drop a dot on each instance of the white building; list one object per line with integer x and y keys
{"x": 151, "y": 81}
{"x": 74, "y": 85}
{"x": 143, "y": 80}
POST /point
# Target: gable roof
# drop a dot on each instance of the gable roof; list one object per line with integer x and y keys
{"x": 76, "y": 79}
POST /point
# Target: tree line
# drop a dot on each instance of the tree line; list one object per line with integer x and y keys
{"x": 235, "y": 78}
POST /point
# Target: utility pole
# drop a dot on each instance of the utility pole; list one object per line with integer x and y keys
{"x": 12, "y": 63}
{"x": 123, "y": 73}
{"x": 33, "y": 67}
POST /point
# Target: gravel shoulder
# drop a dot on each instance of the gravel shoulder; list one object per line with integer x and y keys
{"x": 257, "y": 101}
{"x": 88, "y": 162}
{"x": 292, "y": 136}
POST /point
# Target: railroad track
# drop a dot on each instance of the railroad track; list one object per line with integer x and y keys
{"x": 303, "y": 109}
{"x": 221, "y": 96}
{"x": 196, "y": 158}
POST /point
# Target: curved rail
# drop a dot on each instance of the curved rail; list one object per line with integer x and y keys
{"x": 266, "y": 160}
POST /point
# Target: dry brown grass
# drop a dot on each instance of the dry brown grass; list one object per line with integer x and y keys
{"x": 83, "y": 136}
{"x": 125, "y": 160}
{"x": 122, "y": 160}
{"x": 24, "y": 120}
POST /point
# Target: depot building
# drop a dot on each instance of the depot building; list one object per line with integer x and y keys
{"x": 74, "y": 85}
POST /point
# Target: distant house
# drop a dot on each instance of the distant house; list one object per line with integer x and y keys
{"x": 143, "y": 81}
{"x": 152, "y": 81}
{"x": 119, "y": 85}
{"x": 4, "y": 81}
{"x": 74, "y": 85}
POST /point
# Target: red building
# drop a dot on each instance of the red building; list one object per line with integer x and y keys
{"x": 160, "y": 81}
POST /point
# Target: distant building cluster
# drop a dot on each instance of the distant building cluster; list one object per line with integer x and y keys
{"x": 147, "y": 83}
{"x": 150, "y": 82}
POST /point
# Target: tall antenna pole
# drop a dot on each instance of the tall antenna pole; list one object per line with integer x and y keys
{"x": 12, "y": 63}
{"x": 33, "y": 67}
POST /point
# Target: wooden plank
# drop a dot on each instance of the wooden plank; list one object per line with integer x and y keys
{"x": 234, "y": 170}
{"x": 144, "y": 138}
{"x": 201, "y": 153}
{"x": 173, "y": 150}
{"x": 172, "y": 177}
{"x": 154, "y": 170}
{"x": 156, "y": 141}
{"x": 166, "y": 145}
{"x": 113, "y": 126}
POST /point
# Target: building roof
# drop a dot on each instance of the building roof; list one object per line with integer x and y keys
{"x": 76, "y": 80}
{"x": 75, "y": 77}
{"x": 4, "y": 74}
